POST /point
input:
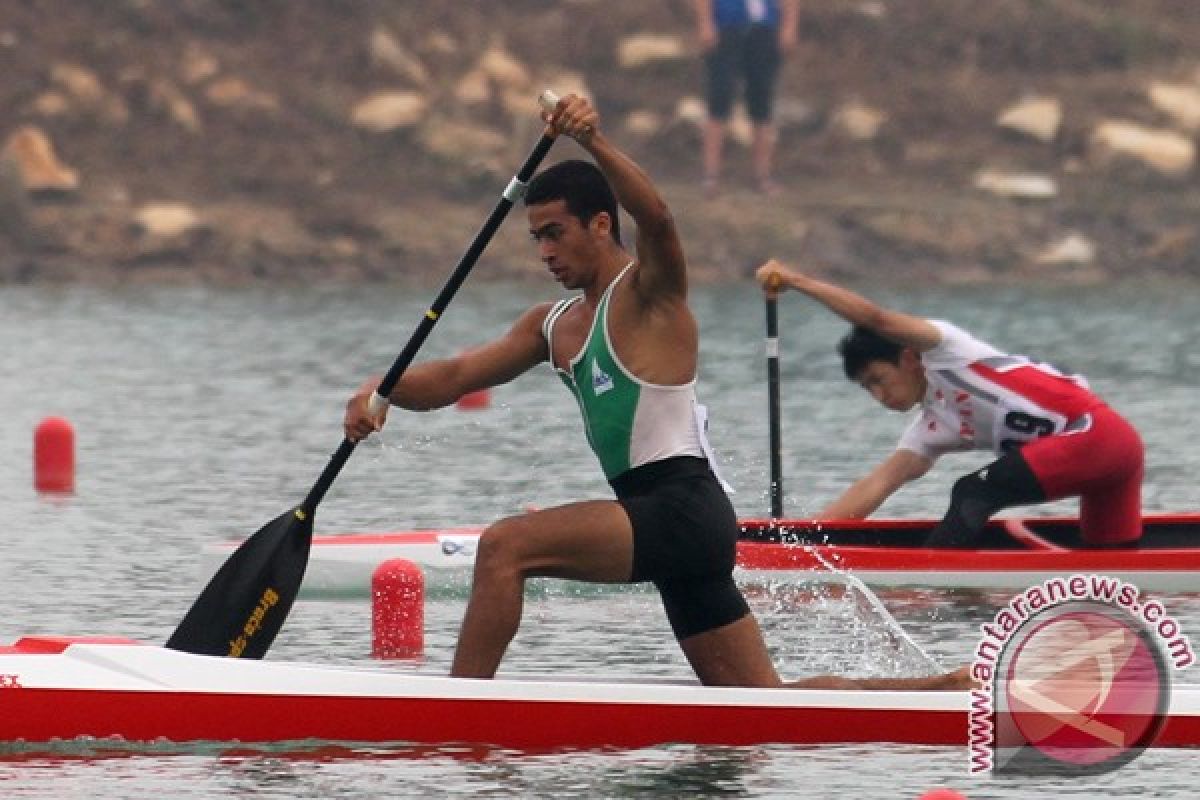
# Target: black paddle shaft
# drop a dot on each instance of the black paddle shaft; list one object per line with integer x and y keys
{"x": 773, "y": 410}
{"x": 404, "y": 360}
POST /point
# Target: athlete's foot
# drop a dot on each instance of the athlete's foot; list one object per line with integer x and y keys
{"x": 712, "y": 186}
{"x": 825, "y": 682}
{"x": 959, "y": 680}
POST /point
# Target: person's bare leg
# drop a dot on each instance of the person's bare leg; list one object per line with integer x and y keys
{"x": 492, "y": 617}
{"x": 958, "y": 680}
{"x": 590, "y": 541}
{"x": 714, "y": 144}
{"x": 732, "y": 655}
{"x": 762, "y": 152}
{"x": 736, "y": 655}
{"x": 593, "y": 541}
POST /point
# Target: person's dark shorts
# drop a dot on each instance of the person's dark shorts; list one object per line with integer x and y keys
{"x": 749, "y": 53}
{"x": 685, "y": 541}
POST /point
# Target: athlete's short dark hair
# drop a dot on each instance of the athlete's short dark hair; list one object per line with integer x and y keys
{"x": 582, "y": 186}
{"x": 861, "y": 346}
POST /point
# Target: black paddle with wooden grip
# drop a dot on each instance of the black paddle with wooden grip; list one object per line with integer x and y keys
{"x": 773, "y": 406}
{"x": 244, "y": 605}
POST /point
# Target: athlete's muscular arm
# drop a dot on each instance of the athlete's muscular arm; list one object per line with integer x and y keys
{"x": 904, "y": 329}
{"x": 438, "y": 383}
{"x": 868, "y": 493}
{"x": 662, "y": 269}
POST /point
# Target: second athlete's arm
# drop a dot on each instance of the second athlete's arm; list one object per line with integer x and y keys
{"x": 905, "y": 329}
{"x": 869, "y": 492}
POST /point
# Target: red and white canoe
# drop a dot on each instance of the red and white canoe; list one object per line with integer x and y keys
{"x": 58, "y": 689}
{"x": 881, "y": 552}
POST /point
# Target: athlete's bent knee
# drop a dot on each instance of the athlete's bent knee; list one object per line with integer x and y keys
{"x": 978, "y": 495}
{"x": 498, "y": 546}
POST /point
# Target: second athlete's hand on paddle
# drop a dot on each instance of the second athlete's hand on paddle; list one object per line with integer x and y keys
{"x": 359, "y": 423}
{"x": 775, "y": 278}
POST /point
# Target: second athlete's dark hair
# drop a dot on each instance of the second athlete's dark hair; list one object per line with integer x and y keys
{"x": 861, "y": 346}
{"x": 582, "y": 186}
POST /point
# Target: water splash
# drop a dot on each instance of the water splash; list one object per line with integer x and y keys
{"x": 848, "y": 630}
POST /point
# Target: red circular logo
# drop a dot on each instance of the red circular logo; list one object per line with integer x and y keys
{"x": 1086, "y": 687}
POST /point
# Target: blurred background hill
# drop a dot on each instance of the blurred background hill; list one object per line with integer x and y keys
{"x": 232, "y": 141}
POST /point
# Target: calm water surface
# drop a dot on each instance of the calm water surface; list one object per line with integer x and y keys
{"x": 201, "y": 414}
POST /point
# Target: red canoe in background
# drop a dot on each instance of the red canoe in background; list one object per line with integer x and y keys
{"x": 881, "y": 552}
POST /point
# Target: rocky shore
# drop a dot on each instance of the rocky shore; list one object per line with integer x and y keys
{"x": 218, "y": 141}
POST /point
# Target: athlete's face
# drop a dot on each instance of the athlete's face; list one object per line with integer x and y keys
{"x": 568, "y": 248}
{"x": 897, "y": 387}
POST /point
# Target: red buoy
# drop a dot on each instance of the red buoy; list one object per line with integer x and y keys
{"x": 475, "y": 401}
{"x": 397, "y": 609}
{"x": 54, "y": 456}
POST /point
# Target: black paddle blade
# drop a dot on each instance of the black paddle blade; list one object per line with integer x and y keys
{"x": 245, "y": 604}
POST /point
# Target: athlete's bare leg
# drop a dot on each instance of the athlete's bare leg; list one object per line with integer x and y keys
{"x": 959, "y": 679}
{"x": 593, "y": 541}
{"x": 732, "y": 655}
{"x": 590, "y": 541}
{"x": 736, "y": 655}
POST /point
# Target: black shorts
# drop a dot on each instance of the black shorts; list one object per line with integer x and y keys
{"x": 684, "y": 540}
{"x": 749, "y": 53}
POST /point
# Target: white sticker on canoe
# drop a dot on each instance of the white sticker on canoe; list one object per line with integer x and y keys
{"x": 458, "y": 546}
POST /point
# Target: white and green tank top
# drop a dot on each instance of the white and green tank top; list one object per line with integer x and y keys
{"x": 628, "y": 421}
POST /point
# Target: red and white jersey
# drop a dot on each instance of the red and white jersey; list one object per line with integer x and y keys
{"x": 980, "y": 398}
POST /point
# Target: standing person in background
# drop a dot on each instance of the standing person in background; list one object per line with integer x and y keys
{"x": 743, "y": 40}
{"x": 1053, "y": 437}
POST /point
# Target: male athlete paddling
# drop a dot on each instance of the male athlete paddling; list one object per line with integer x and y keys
{"x": 1054, "y": 437}
{"x": 626, "y": 346}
